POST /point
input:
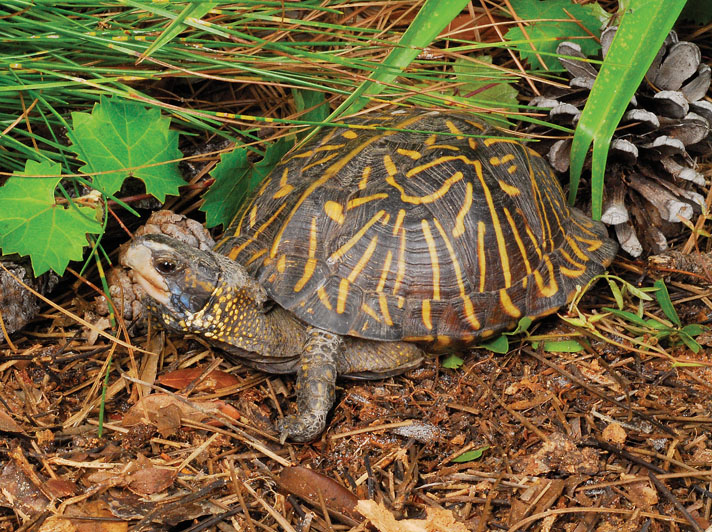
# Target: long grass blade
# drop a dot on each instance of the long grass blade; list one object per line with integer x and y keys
{"x": 642, "y": 30}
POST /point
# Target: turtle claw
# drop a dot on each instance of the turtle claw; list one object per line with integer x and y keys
{"x": 301, "y": 428}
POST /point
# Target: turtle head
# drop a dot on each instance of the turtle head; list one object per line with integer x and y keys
{"x": 189, "y": 289}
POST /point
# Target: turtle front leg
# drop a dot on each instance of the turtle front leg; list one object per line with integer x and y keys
{"x": 315, "y": 388}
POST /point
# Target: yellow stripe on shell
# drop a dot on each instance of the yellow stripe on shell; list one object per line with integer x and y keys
{"x": 310, "y": 263}
{"x": 459, "y": 228}
{"x": 383, "y": 303}
{"x": 385, "y": 271}
{"x": 357, "y": 202}
{"x": 518, "y": 240}
{"x": 334, "y": 211}
{"x": 550, "y": 288}
{"x": 434, "y": 264}
{"x": 425, "y": 310}
{"x": 401, "y": 264}
{"x": 358, "y": 268}
{"x": 430, "y": 198}
{"x": 236, "y": 251}
{"x": 284, "y": 187}
{"x": 399, "y": 221}
{"x": 356, "y": 237}
{"x": 470, "y": 314}
{"x": 324, "y": 298}
{"x": 349, "y": 134}
{"x": 415, "y": 155}
{"x": 343, "y": 294}
{"x": 507, "y": 304}
{"x": 501, "y": 244}
{"x": 481, "y": 255}
{"x": 327, "y": 175}
{"x": 364, "y": 177}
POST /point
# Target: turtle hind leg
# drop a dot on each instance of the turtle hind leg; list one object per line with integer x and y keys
{"x": 315, "y": 387}
{"x": 371, "y": 359}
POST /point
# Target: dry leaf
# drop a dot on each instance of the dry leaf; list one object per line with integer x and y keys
{"x": 614, "y": 433}
{"x": 150, "y": 480}
{"x": 436, "y": 520}
{"x": 306, "y": 484}
{"x": 181, "y": 378}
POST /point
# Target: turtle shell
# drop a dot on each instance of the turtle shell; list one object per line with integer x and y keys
{"x": 413, "y": 226}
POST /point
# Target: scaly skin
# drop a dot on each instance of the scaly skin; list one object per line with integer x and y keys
{"x": 205, "y": 293}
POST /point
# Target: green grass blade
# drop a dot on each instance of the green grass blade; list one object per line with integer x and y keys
{"x": 432, "y": 18}
{"x": 192, "y": 11}
{"x": 642, "y": 30}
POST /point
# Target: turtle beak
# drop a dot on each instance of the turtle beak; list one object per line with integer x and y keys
{"x": 139, "y": 258}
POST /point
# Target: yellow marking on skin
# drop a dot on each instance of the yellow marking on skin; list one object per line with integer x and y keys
{"x": 512, "y": 169}
{"x": 459, "y": 228}
{"x": 324, "y": 298}
{"x": 343, "y": 294}
{"x": 518, "y": 240}
{"x": 349, "y": 134}
{"x": 282, "y": 263}
{"x": 357, "y": 236}
{"x": 310, "y": 263}
{"x": 383, "y": 303}
{"x": 481, "y": 256}
{"x": 364, "y": 178}
{"x": 399, "y": 221}
{"x": 368, "y": 310}
{"x": 415, "y": 155}
{"x": 320, "y": 161}
{"x": 549, "y": 289}
{"x": 385, "y": 271}
{"x": 357, "y": 202}
{"x": 577, "y": 250}
{"x": 434, "y": 264}
{"x": 363, "y": 260}
{"x": 391, "y": 169}
{"x": 417, "y": 200}
{"x": 253, "y": 215}
{"x": 401, "y": 264}
{"x": 426, "y": 314}
{"x": 432, "y": 139}
{"x": 440, "y": 160}
{"x": 453, "y": 128}
{"x": 501, "y": 244}
{"x": 470, "y": 314}
{"x": 508, "y": 189}
{"x": 334, "y": 211}
{"x": 235, "y": 252}
{"x": 507, "y": 304}
{"x": 327, "y": 175}
{"x": 256, "y": 256}
{"x": 284, "y": 187}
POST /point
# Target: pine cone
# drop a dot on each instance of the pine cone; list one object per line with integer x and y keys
{"x": 651, "y": 158}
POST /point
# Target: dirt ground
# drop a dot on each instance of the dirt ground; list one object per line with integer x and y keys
{"x": 614, "y": 437}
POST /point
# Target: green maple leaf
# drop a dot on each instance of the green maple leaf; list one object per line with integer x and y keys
{"x": 235, "y": 177}
{"x": 32, "y": 223}
{"x": 553, "y": 25}
{"x": 120, "y": 135}
{"x": 480, "y": 83}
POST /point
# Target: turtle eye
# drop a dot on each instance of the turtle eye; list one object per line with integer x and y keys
{"x": 165, "y": 266}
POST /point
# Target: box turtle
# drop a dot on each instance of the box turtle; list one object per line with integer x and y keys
{"x": 373, "y": 244}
